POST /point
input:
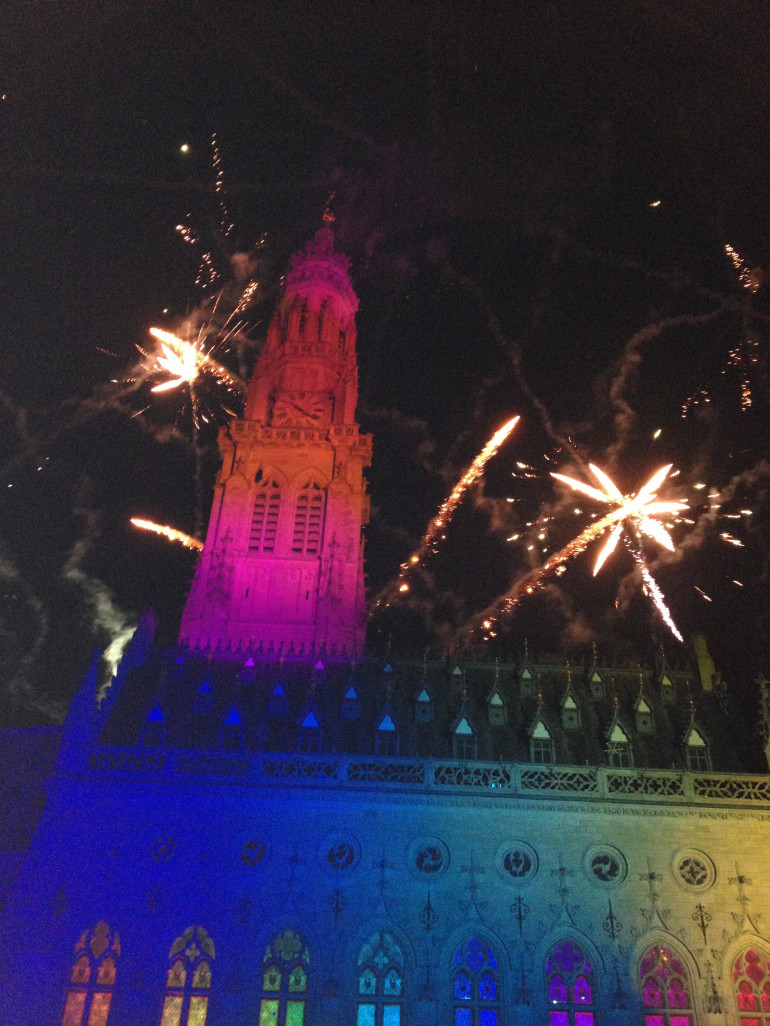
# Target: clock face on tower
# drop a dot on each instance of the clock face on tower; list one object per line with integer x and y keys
{"x": 302, "y": 408}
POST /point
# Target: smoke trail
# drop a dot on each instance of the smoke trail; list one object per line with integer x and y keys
{"x": 624, "y": 414}
{"x": 107, "y": 618}
{"x": 19, "y": 685}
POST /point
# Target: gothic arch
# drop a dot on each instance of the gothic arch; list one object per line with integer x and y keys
{"x": 733, "y": 962}
{"x": 464, "y": 931}
{"x": 362, "y": 935}
{"x": 348, "y": 970}
{"x": 567, "y": 932}
{"x": 288, "y": 970}
{"x": 300, "y": 478}
{"x": 662, "y": 939}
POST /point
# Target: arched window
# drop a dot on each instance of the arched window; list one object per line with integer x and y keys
{"x": 380, "y": 981}
{"x": 475, "y": 984}
{"x": 309, "y": 734}
{"x": 284, "y": 980}
{"x": 308, "y": 519}
{"x": 540, "y": 743}
{"x": 665, "y": 989}
{"x": 464, "y": 741}
{"x": 92, "y": 978}
{"x": 188, "y": 980}
{"x": 264, "y": 520}
{"x": 232, "y": 731}
{"x": 386, "y": 740}
{"x": 570, "y": 982}
{"x": 496, "y": 710}
{"x": 751, "y": 983}
{"x": 618, "y": 747}
{"x": 153, "y": 729}
{"x": 696, "y": 751}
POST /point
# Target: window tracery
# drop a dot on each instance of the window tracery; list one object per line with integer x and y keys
{"x": 308, "y": 518}
{"x": 751, "y": 986}
{"x": 264, "y": 520}
{"x": 92, "y": 979}
{"x": 284, "y": 980}
{"x": 188, "y": 979}
{"x": 475, "y": 984}
{"x": 665, "y": 989}
{"x": 380, "y": 989}
{"x": 571, "y": 986}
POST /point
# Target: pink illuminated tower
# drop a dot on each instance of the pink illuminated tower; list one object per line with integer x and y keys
{"x": 282, "y": 567}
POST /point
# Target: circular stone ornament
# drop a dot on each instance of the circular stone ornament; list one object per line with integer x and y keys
{"x": 693, "y": 870}
{"x": 428, "y": 858}
{"x": 605, "y": 865}
{"x": 517, "y": 861}
{"x": 339, "y": 853}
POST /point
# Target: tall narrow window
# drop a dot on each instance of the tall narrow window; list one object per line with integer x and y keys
{"x": 386, "y": 741}
{"x": 475, "y": 985}
{"x": 380, "y": 981}
{"x": 309, "y": 734}
{"x": 464, "y": 741}
{"x": 696, "y": 751}
{"x": 302, "y": 316}
{"x": 571, "y": 986}
{"x": 751, "y": 985}
{"x": 92, "y": 978}
{"x": 232, "y": 731}
{"x": 284, "y": 980}
{"x": 665, "y": 989}
{"x": 153, "y": 730}
{"x": 618, "y": 747}
{"x": 541, "y": 743}
{"x": 308, "y": 519}
{"x": 188, "y": 980}
{"x": 264, "y": 520}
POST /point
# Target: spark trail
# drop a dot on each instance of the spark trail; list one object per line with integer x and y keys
{"x": 168, "y": 532}
{"x": 450, "y": 504}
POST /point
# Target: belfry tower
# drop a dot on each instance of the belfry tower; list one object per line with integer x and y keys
{"x": 282, "y": 567}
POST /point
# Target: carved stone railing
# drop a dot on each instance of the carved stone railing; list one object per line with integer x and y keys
{"x": 436, "y": 776}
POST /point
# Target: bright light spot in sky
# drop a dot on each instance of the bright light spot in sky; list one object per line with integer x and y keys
{"x": 184, "y": 148}
{"x": 657, "y": 434}
{"x": 655, "y": 203}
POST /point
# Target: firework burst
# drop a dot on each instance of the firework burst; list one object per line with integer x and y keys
{"x": 632, "y": 516}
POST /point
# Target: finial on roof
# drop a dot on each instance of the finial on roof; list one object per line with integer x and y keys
{"x": 497, "y": 667}
{"x": 569, "y": 673}
{"x": 328, "y": 214}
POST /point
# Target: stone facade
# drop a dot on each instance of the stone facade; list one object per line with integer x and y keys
{"x": 263, "y": 826}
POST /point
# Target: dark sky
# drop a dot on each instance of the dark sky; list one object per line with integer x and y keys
{"x": 494, "y": 168}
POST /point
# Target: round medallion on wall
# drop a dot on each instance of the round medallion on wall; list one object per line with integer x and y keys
{"x": 605, "y": 865}
{"x": 339, "y": 853}
{"x": 517, "y": 861}
{"x": 693, "y": 870}
{"x": 428, "y": 858}
{"x": 253, "y": 851}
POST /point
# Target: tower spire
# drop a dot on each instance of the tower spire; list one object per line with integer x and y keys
{"x": 283, "y": 558}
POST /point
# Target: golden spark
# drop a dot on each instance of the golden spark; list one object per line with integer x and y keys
{"x": 168, "y": 532}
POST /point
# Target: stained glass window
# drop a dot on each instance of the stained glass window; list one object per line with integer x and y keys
{"x": 92, "y": 977}
{"x": 665, "y": 989}
{"x": 308, "y": 518}
{"x": 188, "y": 980}
{"x": 380, "y": 981}
{"x": 264, "y": 520}
{"x": 570, "y": 985}
{"x": 284, "y": 980}
{"x": 475, "y": 987}
{"x": 751, "y": 983}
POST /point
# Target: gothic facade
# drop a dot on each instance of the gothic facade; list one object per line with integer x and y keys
{"x": 266, "y": 827}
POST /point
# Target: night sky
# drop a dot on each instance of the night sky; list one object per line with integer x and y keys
{"x": 536, "y": 199}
